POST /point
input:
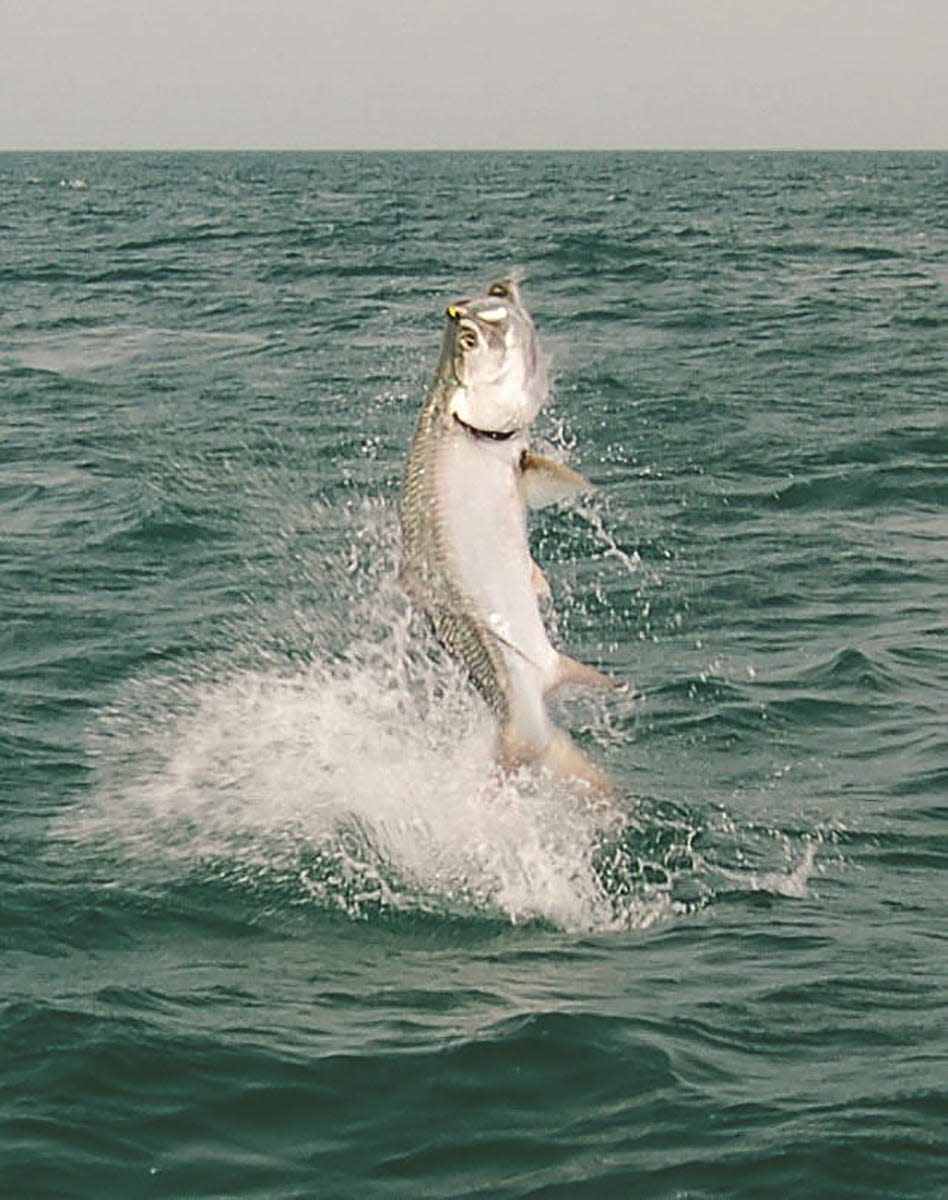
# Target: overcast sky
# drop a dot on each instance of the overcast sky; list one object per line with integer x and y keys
{"x": 315, "y": 74}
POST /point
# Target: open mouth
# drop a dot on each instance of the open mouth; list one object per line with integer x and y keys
{"x": 468, "y": 337}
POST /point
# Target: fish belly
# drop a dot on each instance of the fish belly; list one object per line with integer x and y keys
{"x": 484, "y": 525}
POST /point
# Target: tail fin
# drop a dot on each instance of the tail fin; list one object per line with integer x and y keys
{"x": 564, "y": 758}
{"x": 561, "y": 756}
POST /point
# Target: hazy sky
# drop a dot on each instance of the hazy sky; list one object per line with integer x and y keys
{"x": 482, "y": 73}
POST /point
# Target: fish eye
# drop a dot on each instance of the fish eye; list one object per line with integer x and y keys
{"x": 501, "y": 290}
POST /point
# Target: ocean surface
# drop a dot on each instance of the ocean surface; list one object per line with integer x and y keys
{"x": 269, "y": 926}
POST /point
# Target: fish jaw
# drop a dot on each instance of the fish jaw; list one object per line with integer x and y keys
{"x": 506, "y": 406}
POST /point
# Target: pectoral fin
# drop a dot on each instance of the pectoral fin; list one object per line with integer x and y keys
{"x": 547, "y": 482}
{"x": 569, "y": 670}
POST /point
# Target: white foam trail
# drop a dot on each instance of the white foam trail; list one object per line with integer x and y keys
{"x": 89, "y": 352}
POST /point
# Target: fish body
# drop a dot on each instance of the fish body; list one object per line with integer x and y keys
{"x": 465, "y": 554}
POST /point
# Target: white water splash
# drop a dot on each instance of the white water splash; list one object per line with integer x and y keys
{"x": 369, "y": 795}
{"x": 792, "y": 884}
{"x": 362, "y": 781}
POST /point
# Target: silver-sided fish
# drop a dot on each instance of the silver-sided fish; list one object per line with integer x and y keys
{"x": 465, "y": 556}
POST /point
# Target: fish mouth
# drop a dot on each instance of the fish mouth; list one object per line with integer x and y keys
{"x": 478, "y": 324}
{"x": 467, "y": 336}
{"x": 493, "y": 435}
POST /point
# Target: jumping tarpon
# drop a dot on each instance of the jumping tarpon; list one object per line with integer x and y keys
{"x": 465, "y": 556}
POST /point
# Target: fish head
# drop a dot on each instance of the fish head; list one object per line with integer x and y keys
{"x": 494, "y": 355}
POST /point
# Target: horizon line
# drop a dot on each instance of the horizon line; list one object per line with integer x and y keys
{"x": 924, "y": 149}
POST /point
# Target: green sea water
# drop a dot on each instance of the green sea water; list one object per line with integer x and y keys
{"x": 269, "y": 927}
